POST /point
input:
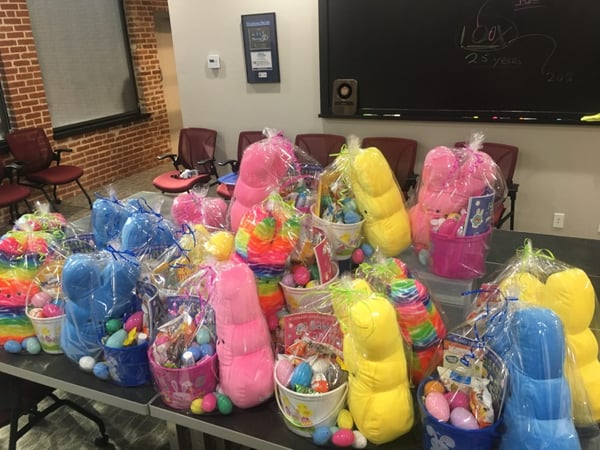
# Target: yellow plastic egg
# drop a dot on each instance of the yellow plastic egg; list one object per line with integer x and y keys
{"x": 196, "y": 406}
{"x": 344, "y": 419}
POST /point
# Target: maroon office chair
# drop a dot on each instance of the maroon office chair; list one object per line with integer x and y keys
{"x": 11, "y": 194}
{"x": 505, "y": 156}
{"x": 21, "y": 397}
{"x": 321, "y": 146}
{"x": 401, "y": 154}
{"x": 245, "y": 138}
{"x": 33, "y": 152}
{"x": 196, "y": 152}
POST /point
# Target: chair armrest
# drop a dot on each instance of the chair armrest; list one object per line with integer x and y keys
{"x": 171, "y": 156}
{"x": 58, "y": 152}
{"x": 11, "y": 169}
{"x": 234, "y": 163}
{"x": 513, "y": 188}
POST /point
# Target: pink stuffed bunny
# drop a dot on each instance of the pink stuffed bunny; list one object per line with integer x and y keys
{"x": 244, "y": 343}
{"x": 262, "y": 168}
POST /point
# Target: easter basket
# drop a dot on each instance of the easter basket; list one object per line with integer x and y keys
{"x": 464, "y": 431}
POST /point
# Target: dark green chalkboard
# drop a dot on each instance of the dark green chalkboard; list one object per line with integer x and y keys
{"x": 490, "y": 60}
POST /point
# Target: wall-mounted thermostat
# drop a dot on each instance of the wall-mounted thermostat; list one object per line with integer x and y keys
{"x": 213, "y": 61}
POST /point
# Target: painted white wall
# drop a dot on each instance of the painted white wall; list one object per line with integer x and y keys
{"x": 558, "y": 167}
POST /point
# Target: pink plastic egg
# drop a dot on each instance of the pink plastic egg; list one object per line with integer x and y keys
{"x": 284, "y": 371}
{"x": 134, "y": 321}
{"x": 301, "y": 275}
{"x": 457, "y": 399}
{"x": 463, "y": 419}
{"x": 358, "y": 256}
{"x": 209, "y": 403}
{"x": 40, "y": 299}
{"x": 437, "y": 405}
{"x": 52, "y": 310}
{"x": 342, "y": 438}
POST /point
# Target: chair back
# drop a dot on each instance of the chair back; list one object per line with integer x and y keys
{"x": 245, "y": 139}
{"x": 401, "y": 155}
{"x": 321, "y": 145}
{"x": 504, "y": 155}
{"x": 31, "y": 147}
{"x": 196, "y": 144}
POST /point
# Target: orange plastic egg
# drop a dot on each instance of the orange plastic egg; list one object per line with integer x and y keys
{"x": 434, "y": 386}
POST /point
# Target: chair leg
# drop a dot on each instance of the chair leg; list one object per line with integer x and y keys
{"x": 50, "y": 201}
{"x": 84, "y": 193}
{"x": 14, "y": 429}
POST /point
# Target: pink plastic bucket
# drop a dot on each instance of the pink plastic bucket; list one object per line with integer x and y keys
{"x": 178, "y": 387}
{"x": 460, "y": 257}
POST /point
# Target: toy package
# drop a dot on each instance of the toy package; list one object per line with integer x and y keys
{"x": 451, "y": 221}
{"x": 379, "y": 199}
{"x": 564, "y": 297}
{"x": 273, "y": 164}
{"x": 265, "y": 239}
{"x": 379, "y": 398}
{"x": 196, "y": 207}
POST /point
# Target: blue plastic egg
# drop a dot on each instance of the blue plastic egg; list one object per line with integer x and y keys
{"x": 32, "y": 346}
{"x": 101, "y": 371}
{"x": 12, "y": 346}
{"x": 302, "y": 375}
{"x": 321, "y": 435}
{"x": 196, "y": 351}
{"x": 207, "y": 349}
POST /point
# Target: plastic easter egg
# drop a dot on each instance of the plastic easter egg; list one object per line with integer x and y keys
{"x": 302, "y": 375}
{"x": 301, "y": 275}
{"x": 36, "y": 312}
{"x": 39, "y": 299}
{"x": 52, "y": 310}
{"x": 12, "y": 346}
{"x": 360, "y": 441}
{"x": 86, "y": 363}
{"x": 457, "y": 399}
{"x": 342, "y": 438}
{"x": 32, "y": 346}
{"x": 312, "y": 284}
{"x": 24, "y": 342}
{"x": 209, "y": 403}
{"x": 367, "y": 250}
{"x": 319, "y": 383}
{"x": 203, "y": 335}
{"x": 113, "y": 325}
{"x": 344, "y": 419}
{"x": 463, "y": 419}
{"x": 321, "y": 435}
{"x": 288, "y": 280}
{"x": 434, "y": 386}
{"x": 224, "y": 404}
{"x": 437, "y": 405}
{"x": 358, "y": 256}
{"x": 116, "y": 339}
{"x": 196, "y": 406}
{"x": 101, "y": 371}
{"x": 196, "y": 351}
{"x": 284, "y": 371}
{"x": 207, "y": 349}
{"x": 314, "y": 273}
{"x": 134, "y": 321}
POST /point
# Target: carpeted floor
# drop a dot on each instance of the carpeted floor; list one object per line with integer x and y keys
{"x": 67, "y": 430}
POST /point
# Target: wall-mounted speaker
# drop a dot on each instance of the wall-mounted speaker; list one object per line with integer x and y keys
{"x": 345, "y": 96}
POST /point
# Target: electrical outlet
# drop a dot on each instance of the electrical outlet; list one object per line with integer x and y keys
{"x": 559, "y": 220}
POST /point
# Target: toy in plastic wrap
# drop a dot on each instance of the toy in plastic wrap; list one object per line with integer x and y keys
{"x": 266, "y": 237}
{"x": 379, "y": 396}
{"x": 97, "y": 287}
{"x": 244, "y": 342}
{"x": 538, "y": 411}
{"x": 379, "y": 200}
{"x": 452, "y": 217}
{"x": 108, "y": 217}
{"x": 263, "y": 167}
{"x": 196, "y": 207}
{"x": 536, "y": 277}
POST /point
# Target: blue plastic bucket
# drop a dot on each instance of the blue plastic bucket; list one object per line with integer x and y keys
{"x": 438, "y": 434}
{"x": 128, "y": 366}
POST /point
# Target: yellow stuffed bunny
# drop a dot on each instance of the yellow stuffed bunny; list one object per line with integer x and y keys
{"x": 380, "y": 201}
{"x": 379, "y": 395}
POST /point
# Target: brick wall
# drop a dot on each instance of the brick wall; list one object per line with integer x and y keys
{"x": 107, "y": 155}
